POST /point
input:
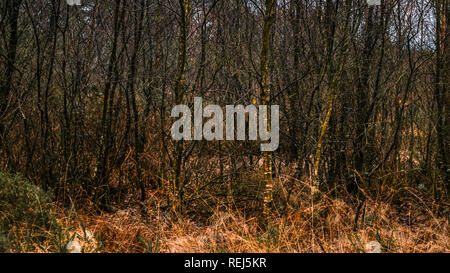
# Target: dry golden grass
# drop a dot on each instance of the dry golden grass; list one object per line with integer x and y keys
{"x": 402, "y": 219}
{"x": 326, "y": 227}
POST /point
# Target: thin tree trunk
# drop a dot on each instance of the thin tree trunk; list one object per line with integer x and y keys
{"x": 269, "y": 14}
{"x": 7, "y": 82}
{"x": 176, "y": 183}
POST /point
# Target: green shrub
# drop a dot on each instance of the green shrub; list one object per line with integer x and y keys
{"x": 25, "y": 214}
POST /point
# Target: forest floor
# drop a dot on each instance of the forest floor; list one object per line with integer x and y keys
{"x": 328, "y": 225}
{"x": 402, "y": 219}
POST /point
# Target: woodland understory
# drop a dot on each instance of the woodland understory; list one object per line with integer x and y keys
{"x": 85, "y": 126}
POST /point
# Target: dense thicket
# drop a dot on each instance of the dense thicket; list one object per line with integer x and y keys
{"x": 86, "y": 93}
